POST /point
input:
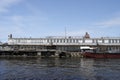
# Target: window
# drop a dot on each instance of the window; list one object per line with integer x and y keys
{"x": 64, "y": 40}
{"x": 67, "y": 40}
{"x": 109, "y": 41}
{"x": 58, "y": 41}
{"x": 76, "y": 40}
{"x": 73, "y": 40}
{"x": 112, "y": 41}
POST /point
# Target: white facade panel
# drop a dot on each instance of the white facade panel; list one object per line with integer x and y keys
{"x": 88, "y": 41}
{"x": 99, "y": 41}
{"x": 28, "y": 41}
{"x": 106, "y": 41}
{"x": 80, "y": 41}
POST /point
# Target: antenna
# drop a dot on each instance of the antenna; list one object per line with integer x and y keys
{"x": 65, "y": 33}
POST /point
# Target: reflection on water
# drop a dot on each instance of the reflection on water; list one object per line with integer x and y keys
{"x": 59, "y": 69}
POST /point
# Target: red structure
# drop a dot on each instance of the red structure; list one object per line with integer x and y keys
{"x": 87, "y": 35}
{"x": 101, "y": 55}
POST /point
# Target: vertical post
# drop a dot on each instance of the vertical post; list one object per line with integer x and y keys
{"x": 57, "y": 53}
{"x": 39, "y": 53}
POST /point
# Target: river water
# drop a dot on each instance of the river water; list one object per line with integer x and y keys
{"x": 59, "y": 69}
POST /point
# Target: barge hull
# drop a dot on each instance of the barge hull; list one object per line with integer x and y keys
{"x": 101, "y": 55}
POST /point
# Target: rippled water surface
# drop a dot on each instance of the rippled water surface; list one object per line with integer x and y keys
{"x": 59, "y": 69}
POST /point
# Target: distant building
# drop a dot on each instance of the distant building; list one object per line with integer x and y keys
{"x": 71, "y": 43}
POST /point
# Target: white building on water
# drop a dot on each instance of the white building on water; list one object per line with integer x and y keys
{"x": 70, "y": 43}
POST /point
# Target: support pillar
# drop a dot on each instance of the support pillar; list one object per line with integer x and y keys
{"x": 57, "y": 54}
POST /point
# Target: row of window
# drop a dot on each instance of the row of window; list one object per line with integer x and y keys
{"x": 28, "y": 47}
{"x": 110, "y": 48}
{"x": 82, "y": 41}
{"x": 68, "y": 41}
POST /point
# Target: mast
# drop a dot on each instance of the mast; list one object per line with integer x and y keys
{"x": 65, "y": 33}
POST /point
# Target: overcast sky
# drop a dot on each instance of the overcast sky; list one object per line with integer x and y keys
{"x": 40, "y": 18}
